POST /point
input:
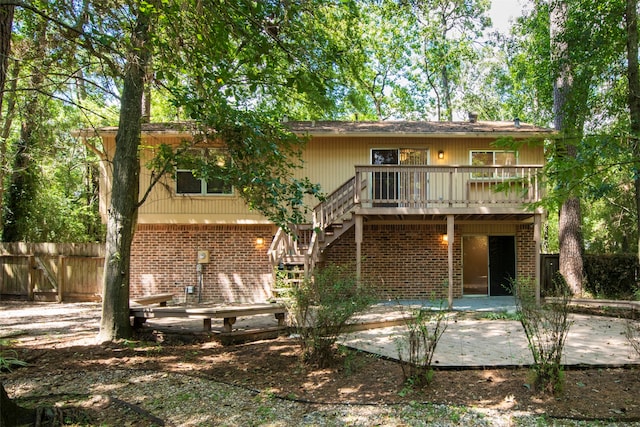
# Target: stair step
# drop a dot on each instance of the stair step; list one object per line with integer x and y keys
{"x": 293, "y": 260}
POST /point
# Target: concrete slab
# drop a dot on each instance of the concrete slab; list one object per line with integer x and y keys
{"x": 592, "y": 341}
{"x": 467, "y": 343}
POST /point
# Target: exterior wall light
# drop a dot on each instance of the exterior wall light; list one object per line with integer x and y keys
{"x": 444, "y": 238}
{"x": 260, "y": 241}
{"x": 441, "y": 154}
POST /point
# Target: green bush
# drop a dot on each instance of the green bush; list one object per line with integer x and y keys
{"x": 611, "y": 276}
{"x": 415, "y": 350}
{"x": 632, "y": 332}
{"x": 546, "y": 328}
{"x": 321, "y": 307}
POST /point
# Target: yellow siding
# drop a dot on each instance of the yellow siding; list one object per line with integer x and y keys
{"x": 331, "y": 161}
{"x": 328, "y": 161}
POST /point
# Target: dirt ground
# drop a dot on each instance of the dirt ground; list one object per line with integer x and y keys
{"x": 62, "y": 357}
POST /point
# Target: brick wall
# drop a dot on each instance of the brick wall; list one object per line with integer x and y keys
{"x": 163, "y": 259}
{"x": 525, "y": 252}
{"x": 407, "y": 261}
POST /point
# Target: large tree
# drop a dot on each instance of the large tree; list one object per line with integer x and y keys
{"x": 46, "y": 198}
{"x": 373, "y": 75}
{"x": 234, "y": 68}
{"x": 567, "y": 53}
{"x": 567, "y": 121}
{"x": 218, "y": 61}
{"x": 448, "y": 30}
{"x": 123, "y": 208}
{"x": 633, "y": 76}
{"x": 23, "y": 180}
{"x": 6, "y": 22}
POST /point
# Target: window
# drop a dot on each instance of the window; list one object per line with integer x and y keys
{"x": 188, "y": 183}
{"x": 492, "y": 158}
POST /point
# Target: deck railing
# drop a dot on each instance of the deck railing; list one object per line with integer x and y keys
{"x": 424, "y": 187}
{"x": 409, "y": 187}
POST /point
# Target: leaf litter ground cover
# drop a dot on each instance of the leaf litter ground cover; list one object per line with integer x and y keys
{"x": 189, "y": 379}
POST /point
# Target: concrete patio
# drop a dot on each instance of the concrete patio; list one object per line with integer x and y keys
{"x": 475, "y": 343}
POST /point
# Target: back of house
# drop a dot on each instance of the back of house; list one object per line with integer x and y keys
{"x": 419, "y": 209}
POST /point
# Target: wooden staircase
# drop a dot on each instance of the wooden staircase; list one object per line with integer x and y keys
{"x": 294, "y": 255}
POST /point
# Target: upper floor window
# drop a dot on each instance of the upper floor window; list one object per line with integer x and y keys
{"x": 493, "y": 158}
{"x": 189, "y": 183}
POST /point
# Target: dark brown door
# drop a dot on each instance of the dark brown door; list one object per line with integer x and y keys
{"x": 502, "y": 264}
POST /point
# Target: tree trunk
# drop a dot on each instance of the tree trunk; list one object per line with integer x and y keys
{"x": 146, "y": 96}
{"x": 446, "y": 90}
{"x": 570, "y": 239}
{"x": 6, "y": 22}
{"x": 565, "y": 121}
{"x": 12, "y": 414}
{"x": 633, "y": 75}
{"x": 123, "y": 210}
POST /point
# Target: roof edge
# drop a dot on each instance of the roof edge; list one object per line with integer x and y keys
{"x": 411, "y": 129}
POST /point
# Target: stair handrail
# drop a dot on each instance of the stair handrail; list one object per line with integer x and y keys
{"x": 334, "y": 207}
{"x": 282, "y": 245}
{"x": 336, "y": 204}
{"x": 312, "y": 254}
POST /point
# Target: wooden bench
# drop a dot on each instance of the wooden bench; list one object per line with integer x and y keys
{"x": 228, "y": 312}
{"x": 161, "y": 299}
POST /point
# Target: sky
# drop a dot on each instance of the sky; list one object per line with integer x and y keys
{"x": 504, "y": 10}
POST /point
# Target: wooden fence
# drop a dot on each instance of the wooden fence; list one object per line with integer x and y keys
{"x": 51, "y": 271}
{"x": 73, "y": 271}
{"x": 550, "y": 265}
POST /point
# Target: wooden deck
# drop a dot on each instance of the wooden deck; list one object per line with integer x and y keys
{"x": 227, "y": 312}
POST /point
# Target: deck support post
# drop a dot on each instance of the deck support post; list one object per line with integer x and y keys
{"x": 537, "y": 225}
{"x": 359, "y": 226}
{"x": 450, "y": 239}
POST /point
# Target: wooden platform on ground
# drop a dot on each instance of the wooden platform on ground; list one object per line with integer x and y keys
{"x": 228, "y": 312}
{"x": 588, "y": 302}
{"x": 161, "y": 299}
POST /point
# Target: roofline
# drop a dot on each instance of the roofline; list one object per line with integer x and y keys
{"x": 187, "y": 130}
{"x": 503, "y": 134}
{"x": 112, "y": 131}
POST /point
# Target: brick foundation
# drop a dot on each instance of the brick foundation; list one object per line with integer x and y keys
{"x": 405, "y": 261}
{"x": 411, "y": 261}
{"x": 163, "y": 260}
{"x": 525, "y": 252}
{"x": 402, "y": 261}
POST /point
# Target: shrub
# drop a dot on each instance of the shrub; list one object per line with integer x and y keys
{"x": 632, "y": 332}
{"x": 321, "y": 307}
{"x": 611, "y": 276}
{"x": 424, "y": 329}
{"x": 546, "y": 328}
